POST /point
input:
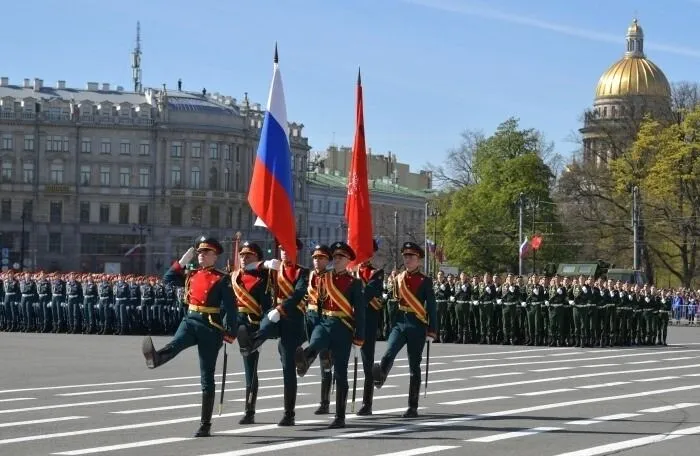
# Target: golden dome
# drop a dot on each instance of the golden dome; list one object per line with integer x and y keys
{"x": 634, "y": 74}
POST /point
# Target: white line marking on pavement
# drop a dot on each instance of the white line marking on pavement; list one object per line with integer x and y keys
{"x": 552, "y": 369}
{"x": 471, "y": 401}
{"x": 602, "y": 385}
{"x": 680, "y": 358}
{"x": 417, "y": 451}
{"x": 502, "y": 374}
{"x": 593, "y": 366}
{"x": 600, "y": 419}
{"x": 570, "y": 353}
{"x": 406, "y": 366}
{"x": 124, "y": 446}
{"x": 512, "y": 435}
{"x": 446, "y": 380}
{"x": 469, "y": 355}
{"x": 45, "y": 420}
{"x": 265, "y": 427}
{"x": 15, "y": 399}
{"x": 271, "y": 396}
{"x": 87, "y": 393}
{"x": 668, "y": 408}
{"x": 646, "y": 362}
{"x": 657, "y": 379}
{"x": 543, "y": 393}
{"x": 526, "y": 357}
{"x": 634, "y": 443}
{"x": 691, "y": 375}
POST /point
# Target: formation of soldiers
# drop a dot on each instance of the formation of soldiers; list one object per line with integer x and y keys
{"x": 77, "y": 303}
{"x": 557, "y": 311}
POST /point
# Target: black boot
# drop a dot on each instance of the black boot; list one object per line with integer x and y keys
{"x": 326, "y": 381}
{"x": 380, "y": 371}
{"x": 290, "y": 399}
{"x": 341, "y": 402}
{"x": 413, "y": 392}
{"x": 245, "y": 340}
{"x": 367, "y": 395}
{"x": 156, "y": 358}
{"x": 303, "y": 357}
{"x": 207, "y": 409}
{"x": 251, "y": 397}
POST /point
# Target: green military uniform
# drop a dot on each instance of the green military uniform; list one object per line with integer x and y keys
{"x": 579, "y": 297}
{"x": 208, "y": 293}
{"x": 535, "y": 322}
{"x": 487, "y": 297}
{"x": 557, "y": 317}
{"x": 442, "y": 296}
{"x": 462, "y": 296}
{"x": 665, "y": 308}
{"x": 474, "y": 312}
{"x": 511, "y": 299}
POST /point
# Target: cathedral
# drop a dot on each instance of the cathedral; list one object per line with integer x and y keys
{"x": 628, "y": 90}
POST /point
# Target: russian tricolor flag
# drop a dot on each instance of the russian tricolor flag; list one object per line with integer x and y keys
{"x": 524, "y": 247}
{"x": 271, "y": 194}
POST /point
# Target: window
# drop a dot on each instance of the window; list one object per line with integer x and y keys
{"x": 123, "y": 213}
{"x": 104, "y": 213}
{"x": 84, "y": 212}
{"x": 176, "y": 149}
{"x": 104, "y": 176}
{"x": 175, "y": 216}
{"x": 55, "y": 243}
{"x": 85, "y": 175}
{"x": 28, "y": 142}
{"x": 238, "y": 154}
{"x": 6, "y": 175}
{"x": 106, "y": 147}
{"x": 7, "y": 142}
{"x": 229, "y": 217}
{"x": 237, "y": 179}
{"x": 337, "y": 207}
{"x": 175, "y": 176}
{"x": 6, "y": 211}
{"x": 143, "y": 214}
{"x": 125, "y": 148}
{"x": 28, "y": 210}
{"x": 196, "y": 150}
{"x": 56, "y": 212}
{"x": 86, "y": 146}
{"x": 144, "y": 149}
{"x": 56, "y": 173}
{"x": 143, "y": 177}
{"x": 214, "y": 216}
{"x": 194, "y": 177}
{"x": 227, "y": 152}
{"x": 56, "y": 144}
{"x": 227, "y": 179}
{"x": 28, "y": 173}
{"x": 213, "y": 179}
{"x": 214, "y": 151}
{"x": 197, "y": 216}
{"x": 124, "y": 177}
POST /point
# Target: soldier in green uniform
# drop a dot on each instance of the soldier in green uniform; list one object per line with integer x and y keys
{"x": 392, "y": 303}
{"x": 557, "y": 297}
{"x": 43, "y": 288}
{"x": 341, "y": 329}
{"x": 442, "y": 296}
{"x": 474, "y": 321}
{"x": 665, "y": 308}
{"x": 106, "y": 294}
{"x": 285, "y": 320}
{"x": 650, "y": 309}
{"x": 208, "y": 294}
{"x": 487, "y": 296}
{"x": 510, "y": 296}
{"x": 463, "y": 294}
{"x": 535, "y": 322}
{"x": 578, "y": 298}
{"x": 415, "y": 325}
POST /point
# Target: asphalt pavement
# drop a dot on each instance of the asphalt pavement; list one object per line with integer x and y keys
{"x": 80, "y": 395}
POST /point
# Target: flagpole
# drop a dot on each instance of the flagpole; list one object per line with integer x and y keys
{"x": 520, "y": 235}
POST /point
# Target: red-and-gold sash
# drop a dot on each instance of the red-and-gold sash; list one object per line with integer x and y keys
{"x": 285, "y": 286}
{"x": 245, "y": 299}
{"x": 312, "y": 292}
{"x": 411, "y": 300}
{"x": 339, "y": 300}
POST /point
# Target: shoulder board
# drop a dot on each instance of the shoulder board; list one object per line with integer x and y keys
{"x": 379, "y": 273}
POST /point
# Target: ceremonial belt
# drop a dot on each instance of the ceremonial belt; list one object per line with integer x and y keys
{"x": 664, "y": 311}
{"x": 537, "y": 303}
{"x": 510, "y": 303}
{"x": 647, "y": 309}
{"x": 27, "y": 294}
{"x": 411, "y": 300}
{"x": 300, "y": 306}
{"x": 70, "y": 296}
{"x": 246, "y": 302}
{"x": 122, "y": 299}
{"x": 376, "y": 303}
{"x": 43, "y": 294}
{"x": 204, "y": 309}
{"x": 58, "y": 294}
{"x": 487, "y": 302}
{"x": 441, "y": 300}
{"x": 555, "y": 305}
{"x": 462, "y": 302}
{"x": 346, "y": 313}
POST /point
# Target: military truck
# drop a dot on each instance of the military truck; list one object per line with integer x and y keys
{"x": 593, "y": 269}
{"x": 627, "y": 275}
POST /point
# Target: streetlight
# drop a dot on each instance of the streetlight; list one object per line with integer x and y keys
{"x": 21, "y": 249}
{"x": 434, "y": 213}
{"x": 141, "y": 228}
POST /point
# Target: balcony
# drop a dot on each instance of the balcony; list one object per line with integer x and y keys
{"x": 57, "y": 188}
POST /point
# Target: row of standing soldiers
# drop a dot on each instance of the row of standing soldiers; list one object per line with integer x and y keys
{"x": 581, "y": 312}
{"x": 88, "y": 303}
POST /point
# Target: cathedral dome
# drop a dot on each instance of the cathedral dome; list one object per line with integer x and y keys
{"x": 634, "y": 74}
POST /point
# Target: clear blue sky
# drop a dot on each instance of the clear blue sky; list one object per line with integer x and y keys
{"x": 431, "y": 68}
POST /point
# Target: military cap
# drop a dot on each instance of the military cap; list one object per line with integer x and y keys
{"x": 412, "y": 248}
{"x": 300, "y": 245}
{"x": 342, "y": 248}
{"x": 251, "y": 247}
{"x": 321, "y": 250}
{"x": 208, "y": 243}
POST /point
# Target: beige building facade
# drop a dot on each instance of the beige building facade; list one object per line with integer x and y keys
{"x": 89, "y": 175}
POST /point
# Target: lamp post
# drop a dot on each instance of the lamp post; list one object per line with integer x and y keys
{"x": 141, "y": 228}
{"x": 22, "y": 241}
{"x": 435, "y": 213}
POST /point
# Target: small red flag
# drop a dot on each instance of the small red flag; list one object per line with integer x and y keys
{"x": 536, "y": 242}
{"x": 358, "y": 212}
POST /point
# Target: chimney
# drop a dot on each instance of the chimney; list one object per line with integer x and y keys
{"x": 61, "y": 85}
{"x": 27, "y": 83}
{"x": 93, "y": 86}
{"x": 120, "y": 89}
{"x": 38, "y": 84}
{"x": 105, "y": 86}
{"x": 4, "y": 81}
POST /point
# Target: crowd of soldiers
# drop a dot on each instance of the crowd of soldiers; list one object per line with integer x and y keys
{"x": 88, "y": 303}
{"x": 556, "y": 311}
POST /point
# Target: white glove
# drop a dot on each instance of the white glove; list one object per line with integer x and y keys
{"x": 187, "y": 257}
{"x": 647, "y": 299}
{"x": 273, "y": 264}
{"x": 273, "y": 315}
{"x": 630, "y": 297}
{"x": 488, "y": 290}
{"x": 452, "y": 299}
{"x": 602, "y": 293}
{"x": 546, "y": 303}
{"x": 511, "y": 288}
{"x": 559, "y": 291}
{"x": 476, "y": 303}
{"x": 571, "y": 302}
{"x": 524, "y": 304}
{"x": 442, "y": 287}
{"x": 499, "y": 301}
{"x": 464, "y": 288}
{"x": 585, "y": 290}
{"x": 612, "y": 294}
{"x": 385, "y": 296}
{"x": 429, "y": 338}
{"x": 536, "y": 291}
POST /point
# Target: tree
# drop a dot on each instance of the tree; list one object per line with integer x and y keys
{"x": 480, "y": 222}
{"x": 664, "y": 162}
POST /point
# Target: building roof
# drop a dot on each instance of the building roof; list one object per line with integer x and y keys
{"x": 375, "y": 185}
{"x": 68, "y": 94}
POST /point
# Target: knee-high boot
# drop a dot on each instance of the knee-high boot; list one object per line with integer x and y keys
{"x": 207, "y": 409}
{"x": 290, "y": 399}
{"x": 413, "y": 393}
{"x": 326, "y": 381}
{"x": 156, "y": 358}
{"x": 341, "y": 402}
{"x": 251, "y": 397}
{"x": 367, "y": 396}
